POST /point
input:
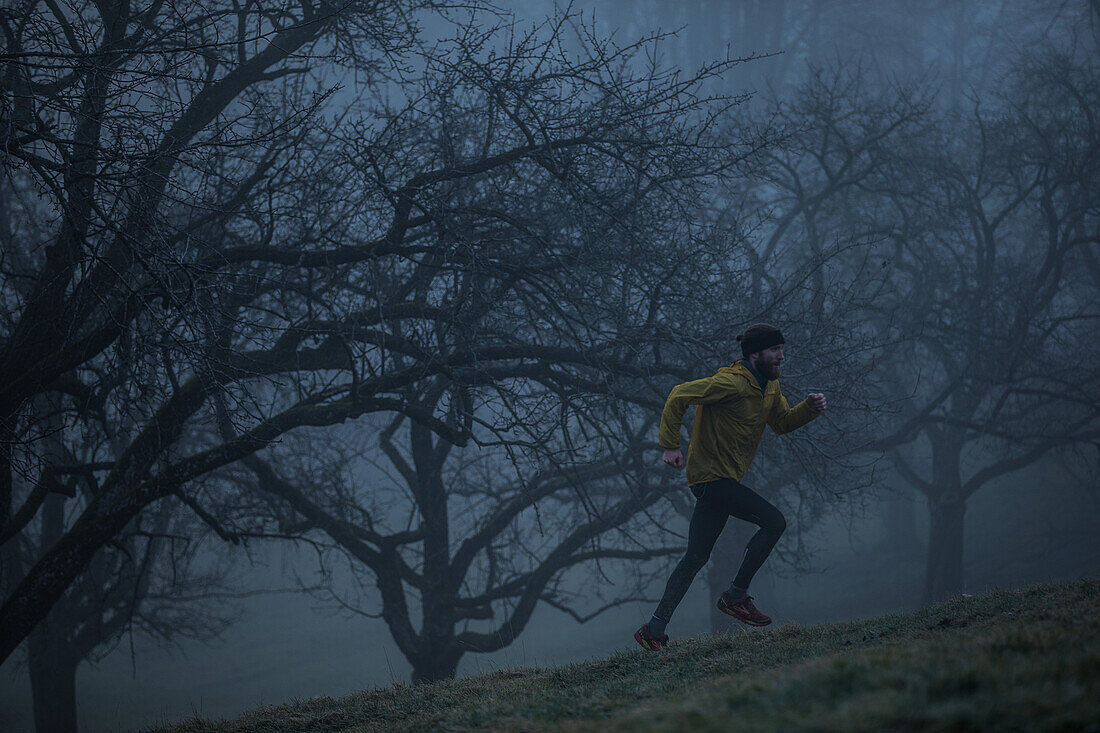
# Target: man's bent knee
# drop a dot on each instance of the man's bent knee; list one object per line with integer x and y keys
{"x": 777, "y": 524}
{"x": 695, "y": 560}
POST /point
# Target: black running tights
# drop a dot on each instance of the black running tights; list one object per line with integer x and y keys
{"x": 717, "y": 501}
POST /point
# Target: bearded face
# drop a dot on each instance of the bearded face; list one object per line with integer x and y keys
{"x": 769, "y": 361}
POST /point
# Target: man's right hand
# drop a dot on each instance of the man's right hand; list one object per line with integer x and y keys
{"x": 673, "y": 458}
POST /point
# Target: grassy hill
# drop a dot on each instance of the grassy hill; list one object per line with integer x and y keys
{"x": 1009, "y": 660}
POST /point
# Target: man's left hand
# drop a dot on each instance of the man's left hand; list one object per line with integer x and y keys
{"x": 816, "y": 401}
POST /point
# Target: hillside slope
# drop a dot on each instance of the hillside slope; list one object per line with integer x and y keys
{"x": 1009, "y": 660}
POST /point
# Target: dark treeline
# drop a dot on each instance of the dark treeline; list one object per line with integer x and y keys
{"x": 407, "y": 283}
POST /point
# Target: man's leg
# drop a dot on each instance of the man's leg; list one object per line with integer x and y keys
{"x": 744, "y": 503}
{"x": 707, "y": 522}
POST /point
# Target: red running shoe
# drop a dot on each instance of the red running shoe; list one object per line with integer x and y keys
{"x": 742, "y": 610}
{"x": 650, "y": 643}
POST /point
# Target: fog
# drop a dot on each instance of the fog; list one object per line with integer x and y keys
{"x": 273, "y": 596}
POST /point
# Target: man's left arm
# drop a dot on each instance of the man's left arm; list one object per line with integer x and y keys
{"x": 784, "y": 418}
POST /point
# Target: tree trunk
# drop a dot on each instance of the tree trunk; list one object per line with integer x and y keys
{"x": 49, "y": 578}
{"x": 53, "y": 682}
{"x": 6, "y": 443}
{"x": 900, "y": 521}
{"x": 435, "y": 667}
{"x": 943, "y": 575}
{"x": 51, "y": 659}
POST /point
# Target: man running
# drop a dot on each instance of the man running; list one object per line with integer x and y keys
{"x": 733, "y": 407}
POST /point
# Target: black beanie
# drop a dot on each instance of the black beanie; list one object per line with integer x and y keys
{"x": 758, "y": 337}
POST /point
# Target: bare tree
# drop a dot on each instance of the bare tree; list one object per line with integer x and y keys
{"x": 985, "y": 229}
{"x": 286, "y": 269}
{"x": 146, "y": 581}
{"x": 443, "y": 540}
{"x": 997, "y": 229}
{"x": 549, "y": 279}
{"x": 116, "y": 121}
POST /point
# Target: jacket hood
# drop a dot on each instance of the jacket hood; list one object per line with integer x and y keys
{"x": 738, "y": 367}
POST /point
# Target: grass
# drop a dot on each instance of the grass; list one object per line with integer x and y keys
{"x": 1010, "y": 660}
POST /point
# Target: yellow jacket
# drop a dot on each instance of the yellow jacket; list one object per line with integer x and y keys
{"x": 728, "y": 422}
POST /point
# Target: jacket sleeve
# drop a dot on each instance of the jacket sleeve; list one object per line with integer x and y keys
{"x": 784, "y": 419}
{"x": 698, "y": 392}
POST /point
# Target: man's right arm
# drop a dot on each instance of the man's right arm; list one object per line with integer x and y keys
{"x": 698, "y": 392}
